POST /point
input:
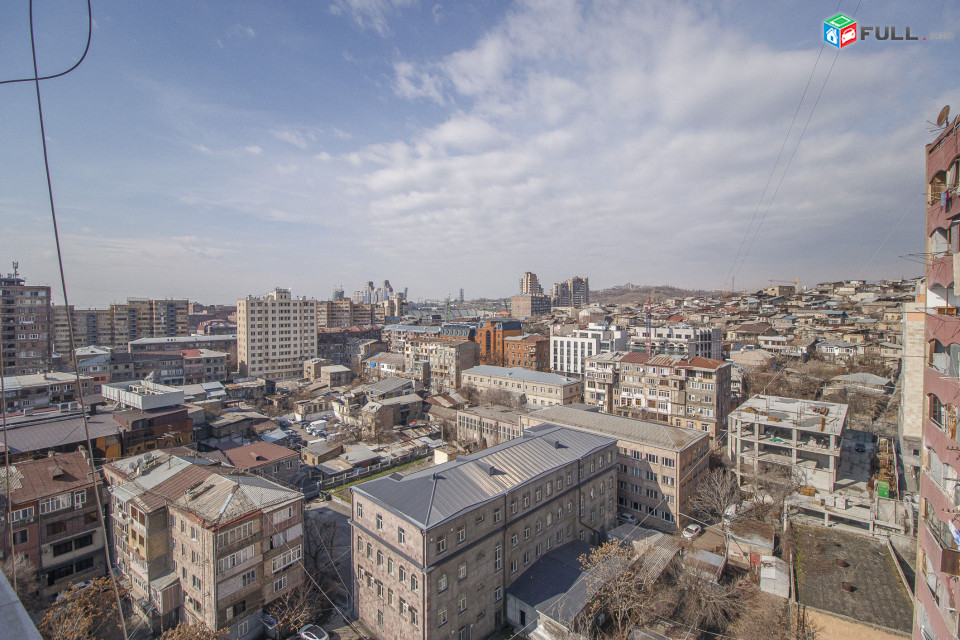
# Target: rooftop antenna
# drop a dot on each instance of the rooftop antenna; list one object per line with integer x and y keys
{"x": 942, "y": 118}
{"x": 16, "y": 265}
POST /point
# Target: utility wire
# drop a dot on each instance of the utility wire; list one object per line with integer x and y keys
{"x": 6, "y": 463}
{"x": 94, "y": 474}
{"x": 62, "y": 73}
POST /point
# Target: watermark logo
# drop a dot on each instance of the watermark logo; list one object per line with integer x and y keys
{"x": 840, "y": 31}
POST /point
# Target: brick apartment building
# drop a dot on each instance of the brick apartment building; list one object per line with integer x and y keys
{"x": 439, "y": 363}
{"x": 435, "y": 551}
{"x": 53, "y": 513}
{"x": 26, "y": 326}
{"x": 120, "y": 324}
{"x": 530, "y": 351}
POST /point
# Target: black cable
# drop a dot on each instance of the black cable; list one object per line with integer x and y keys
{"x": 86, "y": 49}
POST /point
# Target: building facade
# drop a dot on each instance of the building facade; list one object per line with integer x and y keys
{"x": 679, "y": 340}
{"x": 275, "y": 334}
{"x": 439, "y": 363}
{"x": 26, "y": 326}
{"x": 487, "y": 425}
{"x": 574, "y": 292}
{"x": 527, "y": 305}
{"x": 434, "y": 551}
{"x": 120, "y": 324}
{"x": 491, "y": 336}
{"x": 543, "y": 389}
{"x": 938, "y": 557}
{"x": 569, "y": 353}
{"x": 530, "y": 351}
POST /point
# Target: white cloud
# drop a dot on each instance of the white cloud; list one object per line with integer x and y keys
{"x": 239, "y": 30}
{"x": 371, "y": 14}
{"x": 254, "y": 149}
{"x": 297, "y": 138}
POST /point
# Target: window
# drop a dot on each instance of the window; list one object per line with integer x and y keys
{"x": 286, "y": 558}
{"x": 526, "y": 557}
{"x": 79, "y": 498}
{"x": 414, "y": 583}
{"x": 513, "y": 506}
{"x": 243, "y": 628}
{"x": 538, "y": 495}
{"x": 498, "y": 594}
{"x": 402, "y": 574}
{"x": 359, "y": 543}
{"x": 249, "y": 578}
{"x": 461, "y": 534}
{"x": 193, "y": 533}
{"x": 498, "y": 557}
{"x": 234, "y": 535}
{"x": 379, "y": 522}
{"x": 359, "y": 510}
{"x": 20, "y": 537}
{"x": 462, "y": 571}
{"x": 442, "y": 583}
{"x": 196, "y": 582}
{"x": 379, "y": 618}
{"x": 526, "y": 533}
{"x": 379, "y": 589}
{"x": 442, "y": 618}
{"x": 526, "y": 500}
{"x": 390, "y": 597}
{"x": 55, "y": 528}
{"x": 369, "y": 551}
{"x": 49, "y": 505}
{"x": 390, "y": 566}
{"x": 401, "y": 535}
{"x": 514, "y": 540}
{"x": 496, "y": 515}
{"x": 479, "y": 519}
{"x": 379, "y": 558}
{"x": 513, "y": 566}
{"x": 414, "y": 618}
{"x": 462, "y": 604}
{"x": 441, "y": 544}
{"x": 21, "y": 514}
{"x": 235, "y": 558}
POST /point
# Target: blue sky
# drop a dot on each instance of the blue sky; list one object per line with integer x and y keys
{"x": 214, "y": 150}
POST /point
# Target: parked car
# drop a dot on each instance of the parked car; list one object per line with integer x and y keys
{"x": 312, "y": 632}
{"x": 691, "y": 531}
{"x": 627, "y": 518}
{"x": 860, "y": 447}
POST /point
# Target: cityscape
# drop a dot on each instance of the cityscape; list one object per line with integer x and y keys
{"x": 598, "y": 398}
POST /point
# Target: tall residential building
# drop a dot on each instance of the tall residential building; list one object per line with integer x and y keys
{"x": 574, "y": 292}
{"x": 530, "y": 285}
{"x": 568, "y": 354}
{"x": 120, "y": 324}
{"x": 440, "y": 362}
{"x": 275, "y": 334}
{"x": 434, "y": 551}
{"x": 26, "y": 326}
{"x": 53, "y": 512}
{"x": 345, "y": 313}
{"x": 938, "y": 558}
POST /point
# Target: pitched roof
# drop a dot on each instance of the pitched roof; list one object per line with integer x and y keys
{"x": 643, "y": 432}
{"x": 432, "y": 496}
{"x": 257, "y": 454}
{"x": 519, "y": 373}
{"x": 220, "y": 499}
{"x": 35, "y": 479}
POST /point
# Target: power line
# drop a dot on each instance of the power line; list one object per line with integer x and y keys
{"x": 86, "y": 49}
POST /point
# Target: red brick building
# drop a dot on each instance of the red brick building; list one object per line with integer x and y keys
{"x": 492, "y": 335}
{"x": 530, "y": 351}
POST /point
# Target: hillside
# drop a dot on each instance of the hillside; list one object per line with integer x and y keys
{"x": 638, "y": 294}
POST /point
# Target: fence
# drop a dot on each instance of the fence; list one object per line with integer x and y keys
{"x": 362, "y": 472}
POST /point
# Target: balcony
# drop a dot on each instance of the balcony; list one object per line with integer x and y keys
{"x": 940, "y": 547}
{"x": 940, "y": 272}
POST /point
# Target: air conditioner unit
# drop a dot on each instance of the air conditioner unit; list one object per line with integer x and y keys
{"x": 28, "y": 411}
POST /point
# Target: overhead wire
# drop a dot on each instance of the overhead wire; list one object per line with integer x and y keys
{"x": 94, "y": 474}
{"x": 8, "y": 511}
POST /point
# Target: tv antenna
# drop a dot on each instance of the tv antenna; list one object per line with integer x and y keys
{"x": 942, "y": 119}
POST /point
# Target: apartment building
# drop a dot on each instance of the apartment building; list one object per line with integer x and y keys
{"x": 679, "y": 340}
{"x": 690, "y": 392}
{"x": 799, "y": 437}
{"x": 938, "y": 558}
{"x": 265, "y": 459}
{"x": 487, "y": 425}
{"x": 236, "y": 542}
{"x": 658, "y": 465}
{"x": 119, "y": 366}
{"x": 223, "y": 343}
{"x": 543, "y": 389}
{"x": 527, "y": 305}
{"x": 439, "y": 363}
{"x": 53, "y": 513}
{"x": 569, "y": 353}
{"x": 151, "y": 416}
{"x": 435, "y": 550}
{"x": 275, "y": 334}
{"x": 120, "y": 324}
{"x": 344, "y": 313}
{"x": 29, "y": 393}
{"x": 26, "y": 326}
{"x": 574, "y": 292}
{"x": 530, "y": 351}
{"x": 530, "y": 284}
{"x": 203, "y": 365}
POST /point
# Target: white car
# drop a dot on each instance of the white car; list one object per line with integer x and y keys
{"x": 627, "y": 518}
{"x": 312, "y": 632}
{"x": 691, "y": 531}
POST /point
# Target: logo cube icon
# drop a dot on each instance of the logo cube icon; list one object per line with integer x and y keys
{"x": 840, "y": 31}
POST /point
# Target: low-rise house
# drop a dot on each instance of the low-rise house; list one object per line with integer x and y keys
{"x": 860, "y": 383}
{"x": 487, "y": 425}
{"x": 265, "y": 459}
{"x": 542, "y": 389}
{"x": 748, "y": 540}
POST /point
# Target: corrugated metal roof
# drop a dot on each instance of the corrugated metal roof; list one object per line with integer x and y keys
{"x": 55, "y": 432}
{"x": 521, "y": 374}
{"x": 439, "y": 493}
{"x": 643, "y": 432}
{"x": 209, "y": 499}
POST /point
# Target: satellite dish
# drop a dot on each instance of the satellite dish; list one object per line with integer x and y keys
{"x": 132, "y": 466}
{"x": 942, "y": 117}
{"x": 147, "y": 456}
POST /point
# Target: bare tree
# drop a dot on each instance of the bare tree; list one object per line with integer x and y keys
{"x": 716, "y": 491}
{"x": 500, "y": 397}
{"x": 293, "y": 609}
{"x": 199, "y": 631}
{"x": 712, "y": 605}
{"x": 320, "y": 537}
{"x": 83, "y": 613}
{"x": 470, "y": 393}
{"x": 771, "y": 488}
{"x": 27, "y": 583}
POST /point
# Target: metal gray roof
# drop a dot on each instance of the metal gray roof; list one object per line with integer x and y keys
{"x": 220, "y": 499}
{"x": 643, "y": 432}
{"x": 519, "y": 373}
{"x": 429, "y": 497}
{"x": 58, "y": 430}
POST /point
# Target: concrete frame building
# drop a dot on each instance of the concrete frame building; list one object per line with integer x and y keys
{"x": 275, "y": 334}
{"x": 938, "y": 557}
{"x": 435, "y": 551}
{"x": 120, "y": 324}
{"x": 440, "y": 362}
{"x": 543, "y": 389}
{"x": 527, "y": 305}
{"x": 801, "y": 437}
{"x": 574, "y": 292}
{"x": 26, "y": 326}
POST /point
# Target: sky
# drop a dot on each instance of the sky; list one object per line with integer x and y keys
{"x": 214, "y": 150}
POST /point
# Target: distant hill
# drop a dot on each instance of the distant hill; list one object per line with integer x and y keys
{"x": 638, "y": 294}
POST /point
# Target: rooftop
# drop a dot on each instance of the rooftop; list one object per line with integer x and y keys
{"x": 257, "y": 454}
{"x": 643, "y": 432}
{"x": 432, "y": 496}
{"x": 791, "y": 413}
{"x": 220, "y": 499}
{"x": 34, "y": 433}
{"x": 519, "y": 373}
{"x": 34, "y": 479}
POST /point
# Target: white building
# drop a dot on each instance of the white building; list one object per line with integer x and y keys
{"x": 680, "y": 340}
{"x": 276, "y": 333}
{"x": 568, "y": 354}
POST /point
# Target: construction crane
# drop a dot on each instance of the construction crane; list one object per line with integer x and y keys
{"x": 795, "y": 282}
{"x": 649, "y": 327}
